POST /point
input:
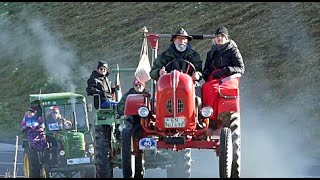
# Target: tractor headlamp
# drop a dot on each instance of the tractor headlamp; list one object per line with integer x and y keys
{"x": 143, "y": 111}
{"x": 62, "y": 152}
{"x": 206, "y": 111}
{"x": 91, "y": 149}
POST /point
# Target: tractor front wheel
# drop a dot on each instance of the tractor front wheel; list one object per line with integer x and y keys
{"x": 128, "y": 159}
{"x": 31, "y": 164}
{"x": 225, "y": 157}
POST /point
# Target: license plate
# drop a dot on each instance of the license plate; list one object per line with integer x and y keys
{"x": 147, "y": 143}
{"x": 78, "y": 160}
{"x": 54, "y": 126}
{"x": 178, "y": 122}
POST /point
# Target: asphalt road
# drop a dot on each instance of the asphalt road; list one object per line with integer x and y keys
{"x": 199, "y": 169}
{"x": 205, "y": 165}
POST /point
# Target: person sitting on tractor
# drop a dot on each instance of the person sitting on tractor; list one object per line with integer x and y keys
{"x": 224, "y": 59}
{"x": 138, "y": 88}
{"x": 54, "y": 116}
{"x": 32, "y": 126}
{"x": 179, "y": 49}
{"x": 99, "y": 83}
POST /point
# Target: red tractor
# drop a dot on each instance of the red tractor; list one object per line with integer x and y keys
{"x": 172, "y": 118}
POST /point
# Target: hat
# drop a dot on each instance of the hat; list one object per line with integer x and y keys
{"x": 55, "y": 109}
{"x": 102, "y": 63}
{"x": 222, "y": 30}
{"x": 181, "y": 32}
{"x": 135, "y": 81}
{"x": 32, "y": 109}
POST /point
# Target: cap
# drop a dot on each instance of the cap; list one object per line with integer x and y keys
{"x": 102, "y": 64}
{"x": 222, "y": 30}
{"x": 32, "y": 109}
{"x": 135, "y": 81}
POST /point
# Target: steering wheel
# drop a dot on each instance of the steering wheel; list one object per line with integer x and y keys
{"x": 182, "y": 60}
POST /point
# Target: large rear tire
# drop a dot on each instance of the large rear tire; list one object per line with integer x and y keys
{"x": 225, "y": 156}
{"x": 102, "y": 151}
{"x": 31, "y": 164}
{"x": 182, "y": 166}
{"x": 127, "y": 157}
{"x": 88, "y": 172}
{"x": 45, "y": 172}
{"x": 236, "y": 142}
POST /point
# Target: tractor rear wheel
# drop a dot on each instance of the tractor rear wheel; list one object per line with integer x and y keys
{"x": 236, "y": 142}
{"x": 182, "y": 166}
{"x": 31, "y": 164}
{"x": 102, "y": 151}
{"x": 225, "y": 156}
{"x": 127, "y": 157}
{"x": 88, "y": 172}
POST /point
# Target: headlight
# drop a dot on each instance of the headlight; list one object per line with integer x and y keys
{"x": 62, "y": 152}
{"x": 91, "y": 149}
{"x": 206, "y": 111}
{"x": 121, "y": 127}
{"x": 143, "y": 112}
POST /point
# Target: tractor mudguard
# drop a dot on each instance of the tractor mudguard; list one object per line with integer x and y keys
{"x": 133, "y": 103}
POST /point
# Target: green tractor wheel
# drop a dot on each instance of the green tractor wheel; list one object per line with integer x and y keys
{"x": 88, "y": 172}
{"x": 31, "y": 165}
{"x": 102, "y": 151}
{"x": 225, "y": 157}
{"x": 45, "y": 172}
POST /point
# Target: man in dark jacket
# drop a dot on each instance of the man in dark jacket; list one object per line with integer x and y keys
{"x": 224, "y": 58}
{"x": 180, "y": 49}
{"x": 138, "y": 88}
{"x": 99, "y": 83}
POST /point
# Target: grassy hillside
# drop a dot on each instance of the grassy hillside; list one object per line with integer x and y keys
{"x": 54, "y": 46}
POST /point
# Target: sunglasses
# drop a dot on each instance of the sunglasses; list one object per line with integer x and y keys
{"x": 102, "y": 69}
{"x": 137, "y": 85}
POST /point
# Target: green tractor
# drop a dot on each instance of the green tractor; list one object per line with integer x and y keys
{"x": 70, "y": 143}
{"x": 107, "y": 134}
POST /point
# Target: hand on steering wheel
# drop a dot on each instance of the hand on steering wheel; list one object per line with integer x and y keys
{"x": 195, "y": 74}
{"x": 162, "y": 71}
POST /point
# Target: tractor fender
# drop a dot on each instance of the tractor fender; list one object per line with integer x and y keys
{"x": 133, "y": 103}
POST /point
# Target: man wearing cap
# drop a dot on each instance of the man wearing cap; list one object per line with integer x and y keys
{"x": 99, "y": 83}
{"x": 180, "y": 49}
{"x": 224, "y": 58}
{"x": 138, "y": 88}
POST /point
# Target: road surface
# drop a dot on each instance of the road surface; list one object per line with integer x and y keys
{"x": 205, "y": 165}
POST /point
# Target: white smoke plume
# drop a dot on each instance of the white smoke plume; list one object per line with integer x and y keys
{"x": 34, "y": 40}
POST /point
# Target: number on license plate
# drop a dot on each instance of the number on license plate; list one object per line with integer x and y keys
{"x": 174, "y": 122}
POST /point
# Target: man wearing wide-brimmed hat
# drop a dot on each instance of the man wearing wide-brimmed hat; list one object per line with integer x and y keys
{"x": 179, "y": 49}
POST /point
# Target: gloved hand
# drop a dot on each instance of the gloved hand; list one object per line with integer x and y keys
{"x": 162, "y": 71}
{"x": 196, "y": 76}
{"x": 218, "y": 74}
